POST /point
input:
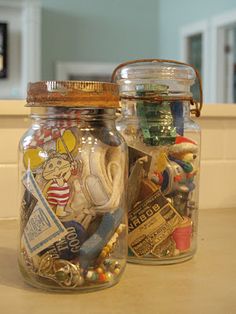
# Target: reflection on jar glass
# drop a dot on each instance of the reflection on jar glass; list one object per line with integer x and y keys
{"x": 73, "y": 179}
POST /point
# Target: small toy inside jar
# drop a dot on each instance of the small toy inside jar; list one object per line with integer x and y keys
{"x": 164, "y": 157}
{"x": 73, "y": 177}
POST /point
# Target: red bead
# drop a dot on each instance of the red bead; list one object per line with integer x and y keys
{"x": 102, "y": 277}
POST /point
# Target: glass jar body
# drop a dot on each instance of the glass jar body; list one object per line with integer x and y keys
{"x": 164, "y": 158}
{"x": 72, "y": 167}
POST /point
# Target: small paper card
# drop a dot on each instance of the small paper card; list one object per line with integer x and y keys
{"x": 151, "y": 222}
{"x": 43, "y": 227}
{"x": 27, "y": 206}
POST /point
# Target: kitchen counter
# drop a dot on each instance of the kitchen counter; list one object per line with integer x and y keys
{"x": 205, "y": 284}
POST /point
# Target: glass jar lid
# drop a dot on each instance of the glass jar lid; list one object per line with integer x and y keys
{"x": 73, "y": 94}
{"x": 157, "y": 70}
{"x": 156, "y": 75}
{"x": 159, "y": 80}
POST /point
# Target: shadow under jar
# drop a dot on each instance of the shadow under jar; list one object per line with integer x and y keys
{"x": 164, "y": 157}
{"x": 72, "y": 167}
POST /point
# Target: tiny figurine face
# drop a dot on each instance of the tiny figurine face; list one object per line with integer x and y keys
{"x": 188, "y": 157}
{"x": 56, "y": 168}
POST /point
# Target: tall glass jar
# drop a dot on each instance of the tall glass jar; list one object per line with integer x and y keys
{"x": 164, "y": 156}
{"x": 72, "y": 170}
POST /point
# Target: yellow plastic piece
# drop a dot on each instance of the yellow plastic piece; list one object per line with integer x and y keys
{"x": 67, "y": 143}
{"x": 161, "y": 161}
{"x": 34, "y": 158}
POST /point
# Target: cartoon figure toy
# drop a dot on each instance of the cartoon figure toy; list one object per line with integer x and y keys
{"x": 178, "y": 173}
{"x": 56, "y": 171}
{"x": 55, "y": 165}
{"x": 176, "y": 177}
{"x": 182, "y": 155}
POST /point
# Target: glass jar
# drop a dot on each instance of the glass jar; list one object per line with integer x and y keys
{"x": 164, "y": 156}
{"x": 72, "y": 168}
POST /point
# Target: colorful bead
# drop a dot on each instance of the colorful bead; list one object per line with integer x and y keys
{"x": 109, "y": 247}
{"x": 92, "y": 275}
{"x": 89, "y": 275}
{"x": 116, "y": 271}
{"x": 102, "y": 277}
{"x": 95, "y": 276}
{"x": 99, "y": 270}
{"x": 106, "y": 249}
{"x": 117, "y": 264}
{"x": 107, "y": 262}
{"x": 80, "y": 281}
{"x": 109, "y": 276}
{"x": 103, "y": 254}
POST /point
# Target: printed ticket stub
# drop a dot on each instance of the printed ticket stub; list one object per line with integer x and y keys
{"x": 151, "y": 222}
{"x": 43, "y": 228}
{"x": 27, "y": 206}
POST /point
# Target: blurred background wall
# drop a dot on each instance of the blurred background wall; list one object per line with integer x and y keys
{"x": 46, "y": 36}
{"x": 172, "y": 15}
{"x": 97, "y": 31}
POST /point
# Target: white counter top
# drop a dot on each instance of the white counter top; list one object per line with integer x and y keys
{"x": 205, "y": 284}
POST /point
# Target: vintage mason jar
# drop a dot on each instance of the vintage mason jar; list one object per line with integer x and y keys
{"x": 164, "y": 156}
{"x": 72, "y": 170}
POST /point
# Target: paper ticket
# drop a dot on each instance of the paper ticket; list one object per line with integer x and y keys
{"x": 151, "y": 222}
{"x": 28, "y": 204}
{"x": 43, "y": 227}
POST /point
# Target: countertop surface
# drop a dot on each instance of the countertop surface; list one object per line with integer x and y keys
{"x": 205, "y": 284}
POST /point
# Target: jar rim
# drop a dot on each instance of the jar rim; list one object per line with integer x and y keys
{"x": 73, "y": 94}
{"x": 162, "y": 70}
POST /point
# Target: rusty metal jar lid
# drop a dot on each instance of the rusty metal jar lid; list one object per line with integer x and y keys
{"x": 73, "y": 94}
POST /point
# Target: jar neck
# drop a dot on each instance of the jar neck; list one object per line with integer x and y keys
{"x": 159, "y": 122}
{"x": 59, "y": 115}
{"x": 129, "y": 108}
{"x": 186, "y": 110}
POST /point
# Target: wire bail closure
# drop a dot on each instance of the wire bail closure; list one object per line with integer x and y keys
{"x": 197, "y": 104}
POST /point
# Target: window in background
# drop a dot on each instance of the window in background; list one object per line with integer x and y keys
{"x": 23, "y": 49}
{"x": 194, "y": 57}
{"x": 90, "y": 77}
{"x": 84, "y": 71}
{"x": 223, "y": 57}
{"x": 230, "y": 64}
{"x": 195, "y": 50}
{"x": 3, "y": 50}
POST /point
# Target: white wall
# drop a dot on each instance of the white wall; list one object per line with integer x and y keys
{"x": 13, "y": 123}
{"x": 218, "y": 159}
